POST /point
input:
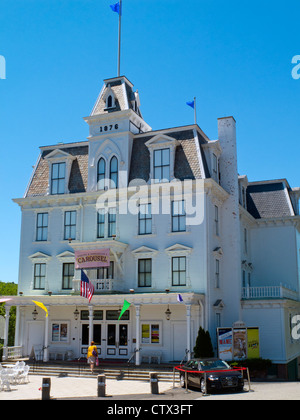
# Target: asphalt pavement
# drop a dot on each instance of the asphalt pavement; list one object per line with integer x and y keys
{"x": 78, "y": 388}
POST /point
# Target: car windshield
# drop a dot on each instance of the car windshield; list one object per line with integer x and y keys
{"x": 213, "y": 365}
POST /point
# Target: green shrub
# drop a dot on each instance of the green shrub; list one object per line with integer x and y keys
{"x": 203, "y": 347}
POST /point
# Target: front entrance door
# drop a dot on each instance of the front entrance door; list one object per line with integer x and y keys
{"x": 85, "y": 338}
{"x": 111, "y": 339}
{"x": 116, "y": 340}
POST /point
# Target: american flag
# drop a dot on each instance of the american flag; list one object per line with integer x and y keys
{"x": 86, "y": 287}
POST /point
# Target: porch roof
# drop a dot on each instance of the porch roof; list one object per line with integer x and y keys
{"x": 154, "y": 298}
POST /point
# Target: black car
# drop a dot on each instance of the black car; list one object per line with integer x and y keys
{"x": 219, "y": 375}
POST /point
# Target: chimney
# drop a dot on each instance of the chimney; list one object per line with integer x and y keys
{"x": 228, "y": 159}
{"x": 230, "y": 223}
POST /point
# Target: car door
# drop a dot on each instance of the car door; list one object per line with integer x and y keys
{"x": 192, "y": 374}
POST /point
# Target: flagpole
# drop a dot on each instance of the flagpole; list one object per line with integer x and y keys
{"x": 119, "y": 49}
{"x": 195, "y": 112}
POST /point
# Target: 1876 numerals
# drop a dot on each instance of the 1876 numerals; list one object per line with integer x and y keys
{"x": 109, "y": 127}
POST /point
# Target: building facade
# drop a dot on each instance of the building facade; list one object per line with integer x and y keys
{"x": 177, "y": 219}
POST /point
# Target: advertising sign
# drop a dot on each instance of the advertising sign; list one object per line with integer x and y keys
{"x": 225, "y": 343}
{"x": 253, "y": 343}
{"x": 239, "y": 343}
{"x": 92, "y": 258}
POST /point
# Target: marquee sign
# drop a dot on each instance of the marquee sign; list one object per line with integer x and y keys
{"x": 94, "y": 258}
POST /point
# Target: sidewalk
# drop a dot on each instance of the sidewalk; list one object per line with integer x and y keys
{"x": 70, "y": 387}
{"x": 86, "y": 388}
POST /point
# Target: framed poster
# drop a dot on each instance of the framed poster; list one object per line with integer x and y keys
{"x": 239, "y": 343}
{"x": 253, "y": 342}
{"x": 225, "y": 343}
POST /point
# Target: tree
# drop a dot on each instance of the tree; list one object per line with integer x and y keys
{"x": 203, "y": 347}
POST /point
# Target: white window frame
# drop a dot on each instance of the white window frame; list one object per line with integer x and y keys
{"x": 158, "y": 142}
{"x": 64, "y": 226}
{"x": 41, "y": 227}
{"x": 59, "y": 156}
{"x": 144, "y": 219}
{"x": 106, "y": 223}
{"x": 150, "y": 323}
{"x": 60, "y": 341}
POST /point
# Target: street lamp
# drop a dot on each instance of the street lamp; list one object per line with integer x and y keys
{"x": 168, "y": 313}
{"x": 34, "y": 313}
{"x": 76, "y": 314}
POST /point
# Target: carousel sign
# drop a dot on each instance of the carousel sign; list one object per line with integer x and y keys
{"x": 92, "y": 258}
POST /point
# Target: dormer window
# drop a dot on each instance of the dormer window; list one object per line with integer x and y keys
{"x": 60, "y": 164}
{"x": 162, "y": 150}
{"x": 58, "y": 175}
{"x": 109, "y": 98}
{"x": 161, "y": 165}
{"x": 109, "y": 102}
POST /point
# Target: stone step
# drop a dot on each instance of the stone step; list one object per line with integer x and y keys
{"x": 118, "y": 373}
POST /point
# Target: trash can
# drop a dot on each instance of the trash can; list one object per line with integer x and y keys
{"x": 153, "y": 383}
{"x": 46, "y": 386}
{"x": 101, "y": 379}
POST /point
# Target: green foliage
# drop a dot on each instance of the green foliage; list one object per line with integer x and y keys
{"x": 9, "y": 289}
{"x": 203, "y": 347}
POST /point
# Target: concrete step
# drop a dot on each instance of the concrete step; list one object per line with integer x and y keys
{"x": 118, "y": 373}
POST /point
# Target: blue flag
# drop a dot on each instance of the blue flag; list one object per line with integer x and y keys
{"x": 115, "y": 7}
{"x": 179, "y": 298}
{"x": 192, "y": 104}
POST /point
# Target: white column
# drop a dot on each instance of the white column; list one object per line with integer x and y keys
{"x": 137, "y": 334}
{"x": 188, "y": 330}
{"x": 6, "y": 327}
{"x": 46, "y": 337}
{"x": 91, "y": 330}
{"x": 17, "y": 331}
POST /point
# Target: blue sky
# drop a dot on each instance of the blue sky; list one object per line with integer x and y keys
{"x": 234, "y": 56}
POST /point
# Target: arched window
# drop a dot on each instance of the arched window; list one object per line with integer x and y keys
{"x": 109, "y": 101}
{"x": 113, "y": 172}
{"x": 101, "y": 174}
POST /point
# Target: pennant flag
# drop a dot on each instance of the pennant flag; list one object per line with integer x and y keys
{"x": 41, "y": 305}
{"x": 124, "y": 309}
{"x": 86, "y": 287}
{"x": 179, "y": 298}
{"x": 4, "y": 300}
{"x": 115, "y": 7}
{"x": 191, "y": 104}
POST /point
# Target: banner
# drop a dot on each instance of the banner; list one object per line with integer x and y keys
{"x": 225, "y": 343}
{"x": 92, "y": 258}
{"x": 253, "y": 343}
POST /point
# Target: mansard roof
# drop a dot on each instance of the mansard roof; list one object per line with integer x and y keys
{"x": 38, "y": 185}
{"x": 269, "y": 199}
{"x": 190, "y": 162}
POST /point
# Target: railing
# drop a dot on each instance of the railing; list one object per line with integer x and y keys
{"x": 269, "y": 292}
{"x": 100, "y": 285}
{"x": 12, "y": 352}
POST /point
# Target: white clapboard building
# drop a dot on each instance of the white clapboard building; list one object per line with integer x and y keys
{"x": 190, "y": 242}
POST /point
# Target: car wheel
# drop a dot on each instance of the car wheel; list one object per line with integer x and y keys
{"x": 182, "y": 381}
{"x": 202, "y": 386}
